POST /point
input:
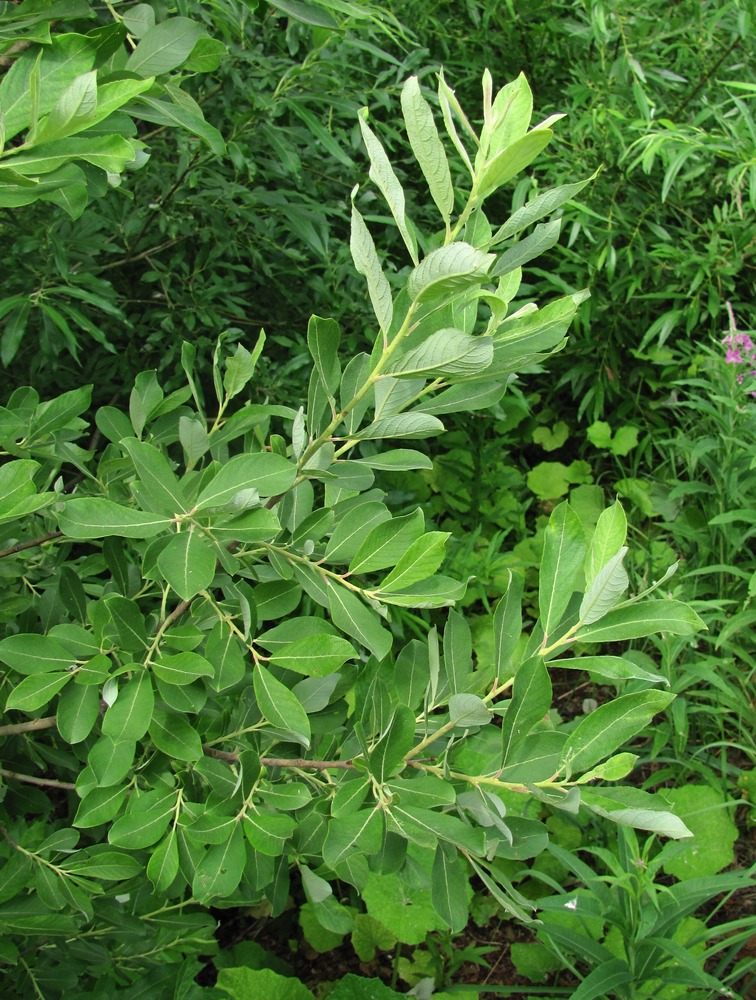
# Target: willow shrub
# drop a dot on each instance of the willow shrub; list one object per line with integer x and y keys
{"x": 227, "y": 661}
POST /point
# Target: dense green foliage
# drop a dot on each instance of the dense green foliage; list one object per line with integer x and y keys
{"x": 284, "y": 611}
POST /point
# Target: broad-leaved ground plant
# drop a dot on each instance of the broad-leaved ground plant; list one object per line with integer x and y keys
{"x": 227, "y": 663}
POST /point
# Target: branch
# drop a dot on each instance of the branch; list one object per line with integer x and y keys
{"x": 31, "y": 780}
{"x": 30, "y": 545}
{"x": 28, "y": 727}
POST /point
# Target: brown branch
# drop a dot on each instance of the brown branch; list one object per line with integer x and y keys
{"x": 318, "y": 765}
{"x": 28, "y": 727}
{"x": 30, "y": 545}
{"x": 31, "y": 780}
{"x": 177, "y": 612}
{"x": 130, "y": 259}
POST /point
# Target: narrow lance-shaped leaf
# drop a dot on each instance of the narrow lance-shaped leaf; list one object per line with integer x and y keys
{"x": 449, "y": 887}
{"x": 602, "y": 732}
{"x": 608, "y": 538}
{"x": 387, "y": 756}
{"x": 507, "y": 624}
{"x": 323, "y": 336}
{"x": 187, "y": 563}
{"x": 449, "y": 107}
{"x": 642, "y": 619}
{"x": 280, "y": 707}
{"x": 531, "y": 700}
{"x": 507, "y": 164}
{"x": 447, "y": 353}
{"x": 367, "y": 263}
{"x": 383, "y": 176}
{"x": 539, "y": 207}
{"x": 95, "y": 517}
{"x": 427, "y": 147}
{"x": 609, "y": 585}
{"x": 563, "y": 553}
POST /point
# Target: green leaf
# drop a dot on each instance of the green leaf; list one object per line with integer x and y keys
{"x": 403, "y": 425}
{"x": 468, "y": 711}
{"x": 73, "y": 110}
{"x": 308, "y": 13}
{"x": 182, "y": 668}
{"x": 352, "y": 528}
{"x": 315, "y": 656}
{"x": 358, "y": 833}
{"x": 323, "y": 337}
{"x": 77, "y": 712}
{"x": 280, "y": 707}
{"x": 642, "y": 619}
{"x": 398, "y": 460}
{"x": 258, "y": 525}
{"x": 93, "y": 517}
{"x": 187, "y": 563}
{"x": 66, "y": 57}
{"x": 99, "y": 806}
{"x": 610, "y": 584}
{"x": 421, "y": 560}
{"x": 383, "y": 176}
{"x": 614, "y": 769}
{"x": 139, "y": 19}
{"x": 368, "y": 935}
{"x": 609, "y": 668}
{"x": 507, "y": 625}
{"x": 427, "y": 147}
{"x": 164, "y": 47}
{"x": 602, "y": 732}
{"x": 241, "y": 366}
{"x": 129, "y": 717}
{"x": 349, "y": 614}
{"x": 387, "y": 757}
{"x": 34, "y": 654}
{"x": 563, "y": 553}
{"x": 36, "y": 691}
{"x": 544, "y": 204}
{"x": 435, "y": 592}
{"x": 164, "y": 113}
{"x": 407, "y": 910}
{"x": 221, "y": 868}
{"x": 448, "y": 270}
{"x": 510, "y": 161}
{"x": 530, "y": 701}
{"x": 543, "y": 238}
{"x": 449, "y": 888}
{"x": 704, "y": 812}
{"x": 163, "y": 866}
{"x": 602, "y": 981}
{"x": 268, "y": 832}
{"x": 447, "y": 353}
{"x": 108, "y": 152}
{"x": 140, "y": 829}
{"x": 243, "y": 983}
{"x": 111, "y": 760}
{"x": 387, "y": 542}
{"x": 635, "y": 808}
{"x": 366, "y": 262}
{"x": 159, "y": 483}
{"x": 457, "y": 651}
{"x": 268, "y": 473}
{"x": 174, "y": 735}
{"x": 128, "y": 621}
{"x": 100, "y": 862}
{"x": 607, "y": 540}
